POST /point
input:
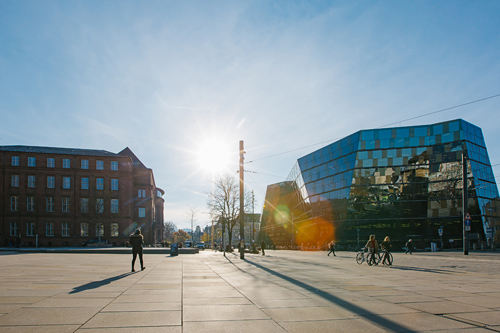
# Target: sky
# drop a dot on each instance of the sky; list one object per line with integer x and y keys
{"x": 175, "y": 80}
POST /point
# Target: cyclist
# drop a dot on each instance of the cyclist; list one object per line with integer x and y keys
{"x": 372, "y": 246}
{"x": 386, "y": 246}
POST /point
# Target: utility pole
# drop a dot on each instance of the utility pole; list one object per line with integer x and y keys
{"x": 242, "y": 203}
{"x": 465, "y": 205}
{"x": 253, "y": 217}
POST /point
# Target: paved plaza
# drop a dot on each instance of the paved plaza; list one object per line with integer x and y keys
{"x": 283, "y": 291}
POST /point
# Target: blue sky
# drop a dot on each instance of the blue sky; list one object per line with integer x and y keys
{"x": 164, "y": 77}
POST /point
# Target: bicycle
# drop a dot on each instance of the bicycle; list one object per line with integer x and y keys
{"x": 360, "y": 257}
{"x": 388, "y": 261}
{"x": 373, "y": 258}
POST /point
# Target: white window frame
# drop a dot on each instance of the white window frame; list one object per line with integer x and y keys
{"x": 66, "y": 163}
{"x": 115, "y": 207}
{"x": 85, "y": 183}
{"x": 51, "y": 162}
{"x": 66, "y": 204}
{"x": 114, "y": 165}
{"x": 14, "y": 161}
{"x": 99, "y": 165}
{"x": 141, "y": 212}
{"x": 99, "y": 183}
{"x": 32, "y": 161}
{"x": 65, "y": 229}
{"x": 14, "y": 203}
{"x": 31, "y": 181}
{"x": 14, "y": 180}
{"x": 114, "y": 230}
{"x": 49, "y": 229}
{"x": 14, "y": 229}
{"x": 66, "y": 183}
{"x": 30, "y": 228}
{"x": 84, "y": 229}
{"x": 84, "y": 205}
{"x": 114, "y": 184}
{"x": 49, "y": 204}
{"x": 85, "y": 164}
{"x": 51, "y": 182}
{"x": 99, "y": 205}
{"x": 30, "y": 203}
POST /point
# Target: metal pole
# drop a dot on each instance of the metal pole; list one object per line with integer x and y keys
{"x": 242, "y": 200}
{"x": 465, "y": 206}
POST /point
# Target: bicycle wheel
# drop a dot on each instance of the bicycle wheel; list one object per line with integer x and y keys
{"x": 360, "y": 258}
{"x": 389, "y": 260}
{"x": 369, "y": 259}
{"x": 376, "y": 258}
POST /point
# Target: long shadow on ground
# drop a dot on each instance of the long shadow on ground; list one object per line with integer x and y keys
{"x": 97, "y": 284}
{"x": 387, "y": 324}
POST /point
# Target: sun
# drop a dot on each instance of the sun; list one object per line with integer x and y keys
{"x": 215, "y": 157}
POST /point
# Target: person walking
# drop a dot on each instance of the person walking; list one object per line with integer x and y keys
{"x": 332, "y": 249}
{"x": 409, "y": 246}
{"x": 386, "y": 246}
{"x": 372, "y": 246}
{"x": 136, "y": 240}
{"x": 263, "y": 246}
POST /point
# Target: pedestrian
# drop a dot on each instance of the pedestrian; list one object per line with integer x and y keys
{"x": 409, "y": 246}
{"x": 332, "y": 249}
{"x": 136, "y": 240}
{"x": 263, "y": 246}
{"x": 386, "y": 246}
{"x": 372, "y": 246}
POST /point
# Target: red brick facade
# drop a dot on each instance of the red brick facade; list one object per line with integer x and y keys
{"x": 52, "y": 195}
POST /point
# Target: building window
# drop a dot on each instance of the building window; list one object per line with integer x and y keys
{"x": 14, "y": 161}
{"x": 30, "y": 229}
{"x": 51, "y": 182}
{"x": 51, "y": 162}
{"x": 85, "y": 164}
{"x": 84, "y": 230}
{"x": 84, "y": 205}
{"x": 142, "y": 212}
{"x": 114, "y": 206}
{"x": 114, "y": 184}
{"x": 85, "y": 183}
{"x": 114, "y": 165}
{"x": 66, "y": 182}
{"x": 99, "y": 183}
{"x": 99, "y": 165}
{"x": 30, "y": 204}
{"x": 66, "y": 163}
{"x": 65, "y": 204}
{"x": 49, "y": 204}
{"x": 141, "y": 193}
{"x": 65, "y": 229}
{"x": 49, "y": 229}
{"x": 14, "y": 180}
{"x": 32, "y": 161}
{"x": 14, "y": 229}
{"x": 99, "y": 206}
{"x": 14, "y": 203}
{"x": 99, "y": 229}
{"x": 31, "y": 181}
{"x": 114, "y": 230}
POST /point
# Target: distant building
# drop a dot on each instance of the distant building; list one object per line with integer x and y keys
{"x": 65, "y": 197}
{"x": 403, "y": 182}
{"x": 252, "y": 227}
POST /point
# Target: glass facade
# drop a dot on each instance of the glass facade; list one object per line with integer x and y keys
{"x": 403, "y": 182}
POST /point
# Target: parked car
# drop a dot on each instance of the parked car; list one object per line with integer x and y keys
{"x": 96, "y": 242}
{"x": 188, "y": 244}
{"x": 200, "y": 245}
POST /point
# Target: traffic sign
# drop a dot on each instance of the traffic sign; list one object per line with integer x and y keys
{"x": 440, "y": 231}
{"x": 467, "y": 217}
{"x": 467, "y": 223}
{"x": 467, "y": 228}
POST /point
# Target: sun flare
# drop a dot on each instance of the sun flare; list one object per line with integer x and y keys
{"x": 215, "y": 157}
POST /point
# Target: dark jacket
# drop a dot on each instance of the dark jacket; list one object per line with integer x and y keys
{"x": 386, "y": 245}
{"x": 136, "y": 241}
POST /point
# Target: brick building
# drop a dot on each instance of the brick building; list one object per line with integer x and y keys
{"x": 64, "y": 197}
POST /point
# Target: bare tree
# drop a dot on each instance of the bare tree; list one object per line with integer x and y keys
{"x": 169, "y": 228}
{"x": 224, "y": 202}
{"x": 191, "y": 214}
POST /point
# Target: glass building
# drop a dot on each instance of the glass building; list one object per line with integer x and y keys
{"x": 403, "y": 182}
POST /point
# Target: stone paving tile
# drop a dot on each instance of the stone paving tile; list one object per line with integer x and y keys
{"x": 417, "y": 322}
{"x": 20, "y": 300}
{"x": 445, "y": 307}
{"x": 134, "y": 319}
{"x": 222, "y": 312}
{"x": 341, "y": 325}
{"x": 289, "y": 303}
{"x": 409, "y": 299}
{"x": 39, "y": 329}
{"x": 479, "y": 300}
{"x": 170, "y": 296}
{"x": 48, "y": 316}
{"x": 144, "y": 306}
{"x": 237, "y": 326}
{"x": 54, "y": 302}
{"x": 216, "y": 301}
{"x": 213, "y": 292}
{"x": 281, "y": 315}
{"x": 488, "y": 318}
{"x": 142, "y": 329}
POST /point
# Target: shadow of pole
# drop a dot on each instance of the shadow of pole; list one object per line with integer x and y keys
{"x": 97, "y": 284}
{"x": 387, "y": 324}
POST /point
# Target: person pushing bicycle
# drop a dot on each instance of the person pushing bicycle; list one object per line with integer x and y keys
{"x": 372, "y": 246}
{"x": 386, "y": 246}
